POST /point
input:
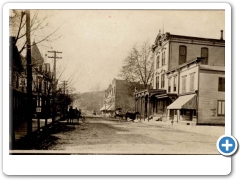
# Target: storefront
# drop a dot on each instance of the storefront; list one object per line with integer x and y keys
{"x": 183, "y": 108}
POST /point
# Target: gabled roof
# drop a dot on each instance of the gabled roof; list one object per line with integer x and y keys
{"x": 37, "y": 58}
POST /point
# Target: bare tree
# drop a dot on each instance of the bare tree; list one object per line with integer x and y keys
{"x": 137, "y": 69}
{"x": 17, "y": 23}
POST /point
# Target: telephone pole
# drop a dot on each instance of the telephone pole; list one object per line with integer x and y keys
{"x": 54, "y": 81}
{"x": 64, "y": 108}
{"x": 54, "y": 66}
{"x": 64, "y": 87}
{"x": 29, "y": 73}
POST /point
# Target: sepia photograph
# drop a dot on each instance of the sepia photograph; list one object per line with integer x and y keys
{"x": 96, "y": 81}
{"x": 125, "y": 88}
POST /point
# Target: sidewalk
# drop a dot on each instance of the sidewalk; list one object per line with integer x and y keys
{"x": 21, "y": 130}
{"x": 201, "y": 129}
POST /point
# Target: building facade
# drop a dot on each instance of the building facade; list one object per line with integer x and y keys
{"x": 41, "y": 85}
{"x": 118, "y": 96}
{"x": 179, "y": 63}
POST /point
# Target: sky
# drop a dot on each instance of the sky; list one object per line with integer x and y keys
{"x": 94, "y": 43}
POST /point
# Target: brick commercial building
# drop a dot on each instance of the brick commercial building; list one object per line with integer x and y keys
{"x": 119, "y": 94}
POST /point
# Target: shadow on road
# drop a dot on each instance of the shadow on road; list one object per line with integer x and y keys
{"x": 44, "y": 139}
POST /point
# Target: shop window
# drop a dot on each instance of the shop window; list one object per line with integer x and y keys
{"x": 221, "y": 108}
{"x": 175, "y": 112}
{"x": 204, "y": 54}
{"x": 221, "y": 84}
{"x": 182, "y": 54}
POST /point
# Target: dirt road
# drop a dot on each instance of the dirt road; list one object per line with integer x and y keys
{"x": 105, "y": 136}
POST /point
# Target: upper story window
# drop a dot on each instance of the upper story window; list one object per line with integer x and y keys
{"x": 163, "y": 58}
{"x": 157, "y": 62}
{"x": 184, "y": 81}
{"x": 182, "y": 54}
{"x": 174, "y": 84}
{"x": 169, "y": 84}
{"x": 204, "y": 54}
{"x": 162, "y": 80}
{"x": 221, "y": 84}
{"x": 221, "y": 108}
{"x": 157, "y": 82}
{"x": 192, "y": 82}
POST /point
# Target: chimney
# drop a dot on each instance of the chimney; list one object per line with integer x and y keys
{"x": 221, "y": 38}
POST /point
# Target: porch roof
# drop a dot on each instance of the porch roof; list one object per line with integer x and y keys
{"x": 150, "y": 92}
{"x": 184, "y": 102}
{"x": 169, "y": 95}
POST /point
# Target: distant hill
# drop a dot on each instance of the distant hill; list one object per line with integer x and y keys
{"x": 90, "y": 100}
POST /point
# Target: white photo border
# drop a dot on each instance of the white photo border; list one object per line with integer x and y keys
{"x": 115, "y": 164}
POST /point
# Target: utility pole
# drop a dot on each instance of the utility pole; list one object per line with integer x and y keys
{"x": 64, "y": 108}
{"x": 54, "y": 81}
{"x": 29, "y": 73}
{"x": 64, "y": 87}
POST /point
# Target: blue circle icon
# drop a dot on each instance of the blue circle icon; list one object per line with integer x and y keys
{"x": 227, "y": 145}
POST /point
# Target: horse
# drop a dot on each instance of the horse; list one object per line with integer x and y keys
{"x": 131, "y": 115}
{"x": 70, "y": 115}
{"x": 73, "y": 114}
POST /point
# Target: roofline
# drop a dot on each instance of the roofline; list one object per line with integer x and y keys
{"x": 197, "y": 38}
{"x": 198, "y": 59}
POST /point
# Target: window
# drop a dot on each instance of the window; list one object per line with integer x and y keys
{"x": 169, "y": 84}
{"x": 175, "y": 84}
{"x": 204, "y": 54}
{"x": 191, "y": 82}
{"x": 221, "y": 84}
{"x": 157, "y": 62}
{"x": 221, "y": 108}
{"x": 39, "y": 101}
{"x": 163, "y": 58}
{"x": 157, "y": 82}
{"x": 182, "y": 54}
{"x": 162, "y": 80}
{"x": 184, "y": 78}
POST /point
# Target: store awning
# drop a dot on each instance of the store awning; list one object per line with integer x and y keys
{"x": 184, "y": 102}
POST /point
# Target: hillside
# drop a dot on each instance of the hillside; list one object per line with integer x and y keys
{"x": 90, "y": 100}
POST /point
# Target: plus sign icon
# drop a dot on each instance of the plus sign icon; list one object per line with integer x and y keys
{"x": 227, "y": 145}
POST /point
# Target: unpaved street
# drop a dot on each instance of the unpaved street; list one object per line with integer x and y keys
{"x": 106, "y": 136}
